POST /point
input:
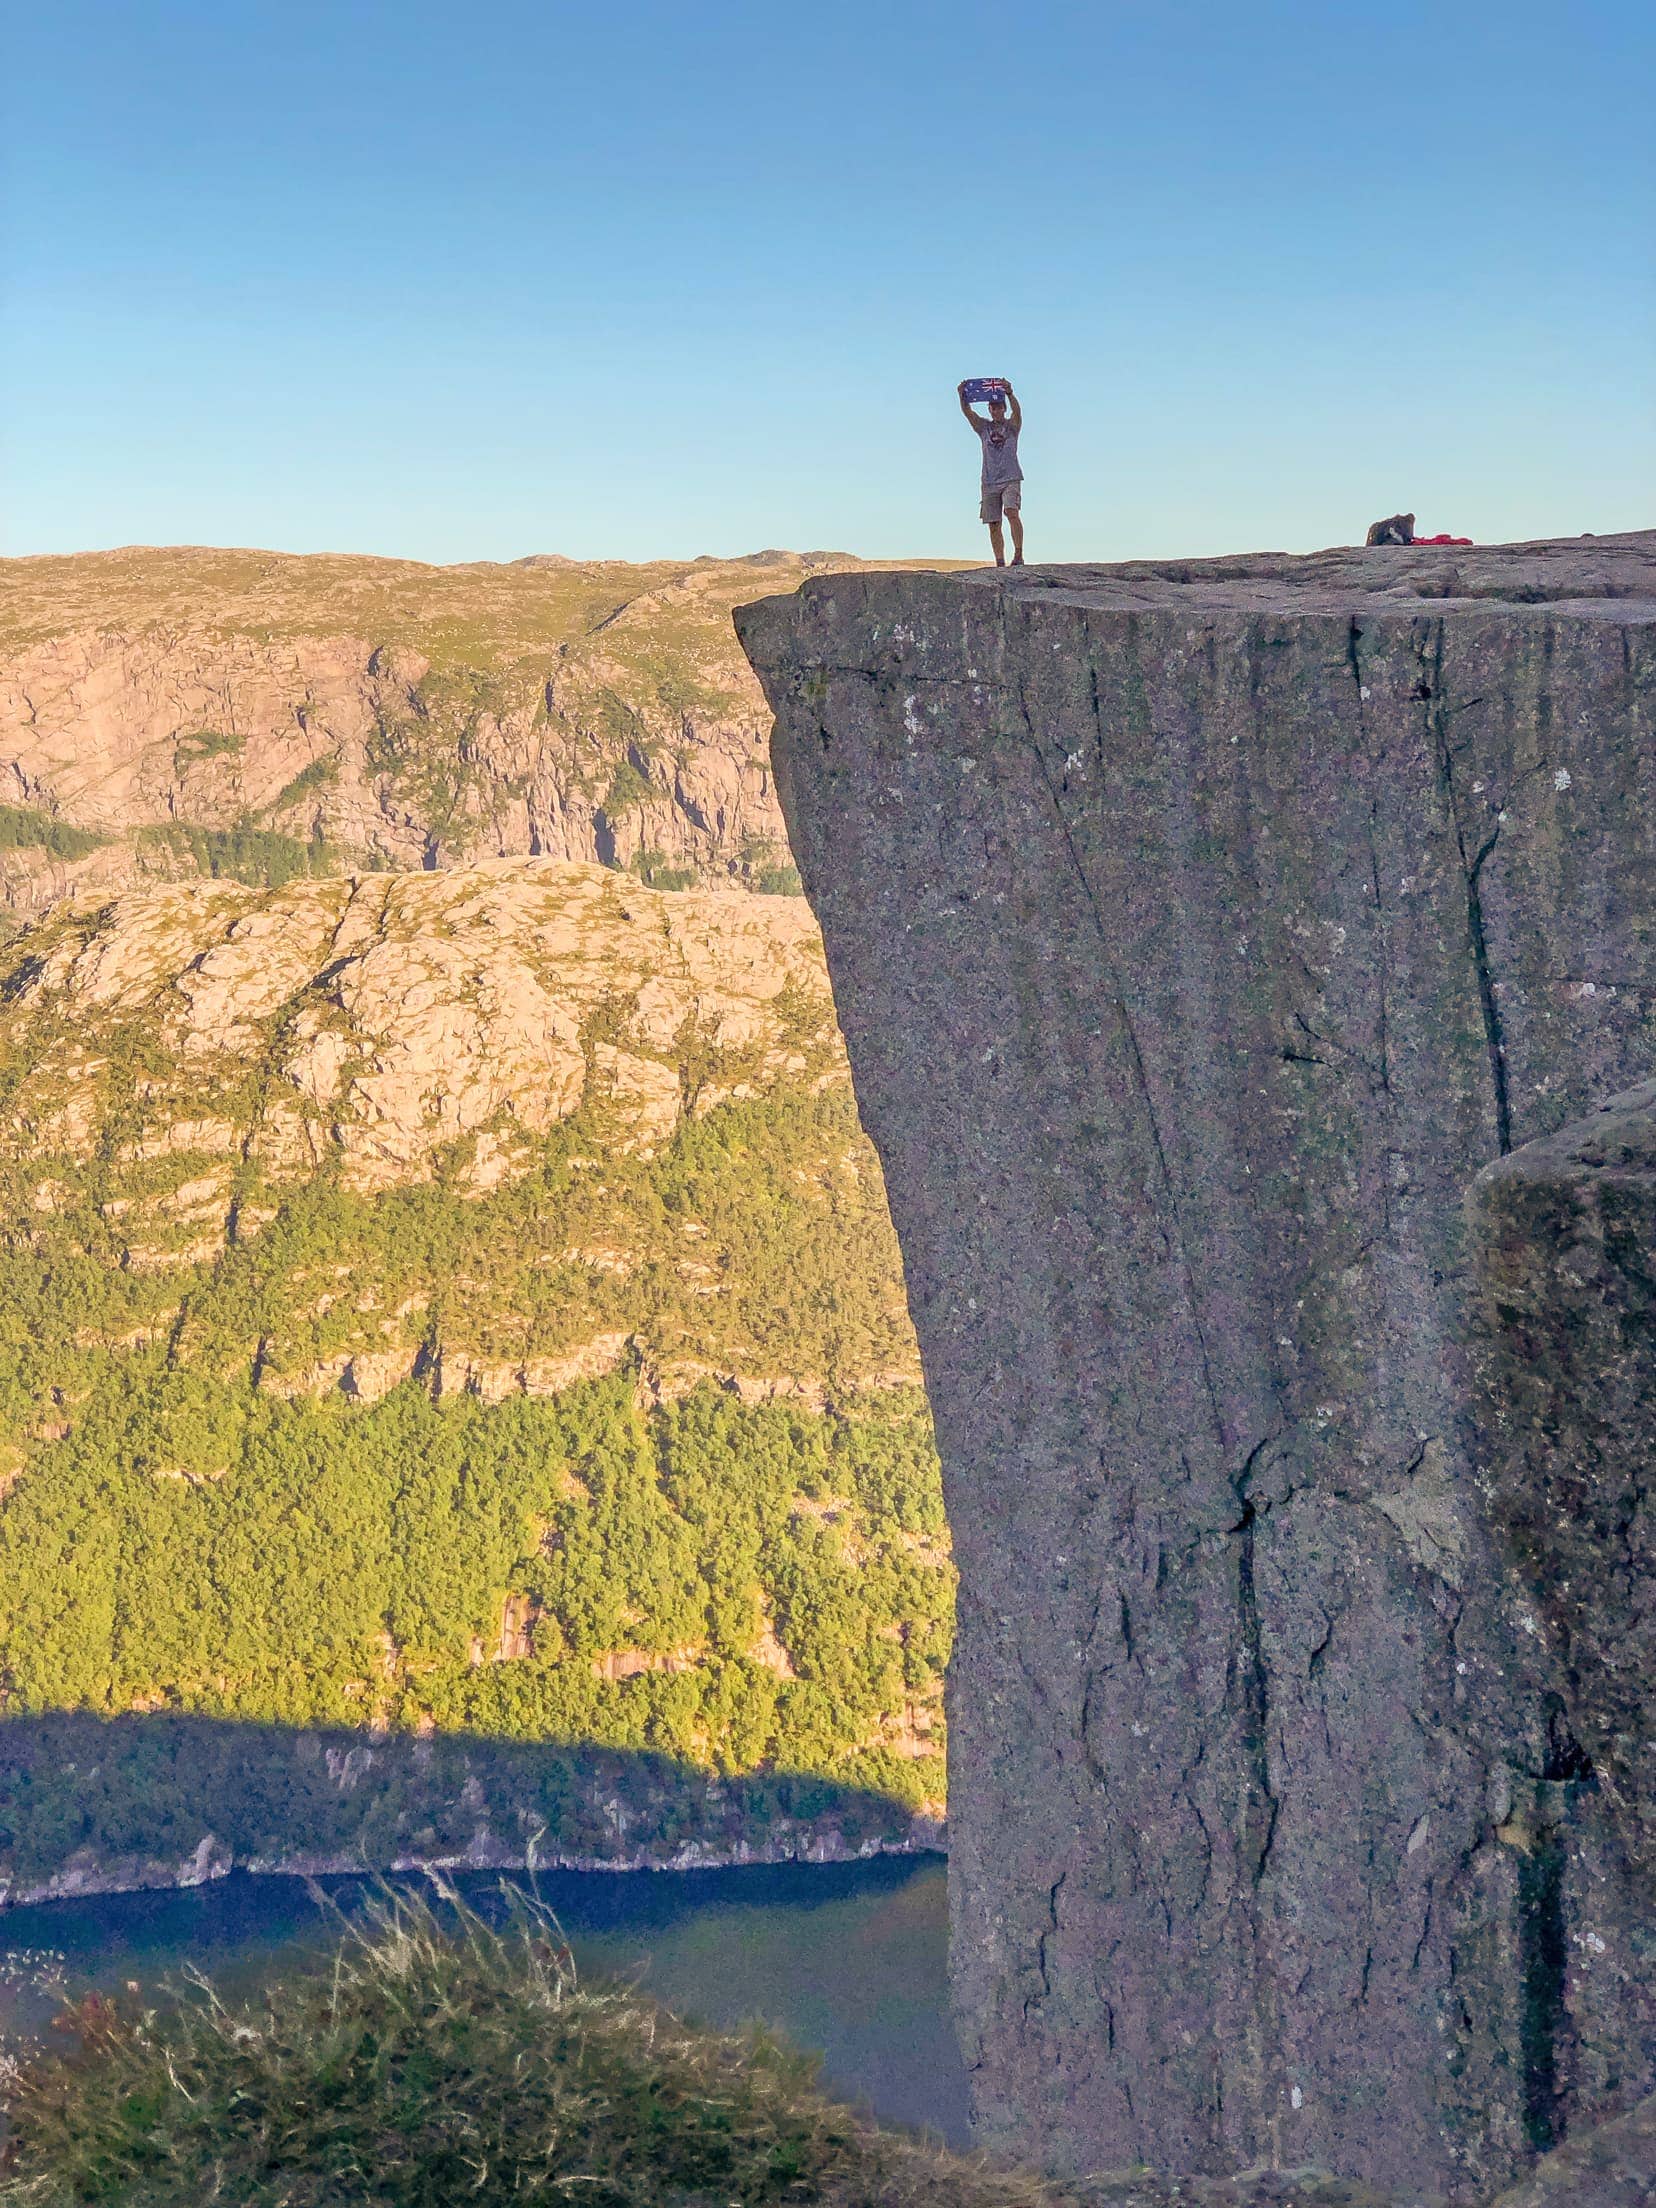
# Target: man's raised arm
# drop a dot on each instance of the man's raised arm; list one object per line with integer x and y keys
{"x": 1017, "y": 410}
{"x": 977, "y": 421}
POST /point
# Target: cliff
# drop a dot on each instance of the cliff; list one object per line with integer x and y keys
{"x": 454, "y": 1383}
{"x": 1198, "y": 932}
{"x": 1564, "y": 1232}
{"x": 165, "y": 712}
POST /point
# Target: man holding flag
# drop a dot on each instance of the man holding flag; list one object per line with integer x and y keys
{"x": 1002, "y": 476}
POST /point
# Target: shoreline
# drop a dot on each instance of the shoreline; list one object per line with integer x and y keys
{"x": 212, "y": 1861}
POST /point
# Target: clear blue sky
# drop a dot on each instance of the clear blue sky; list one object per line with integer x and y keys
{"x": 460, "y": 281}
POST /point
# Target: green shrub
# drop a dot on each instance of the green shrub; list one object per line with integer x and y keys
{"x": 779, "y": 881}
{"x": 205, "y": 743}
{"x": 259, "y": 856}
{"x": 655, "y": 872}
{"x": 22, "y": 828}
{"x": 627, "y": 788}
{"x": 310, "y": 781}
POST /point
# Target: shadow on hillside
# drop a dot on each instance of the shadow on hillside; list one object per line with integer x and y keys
{"x": 153, "y": 1799}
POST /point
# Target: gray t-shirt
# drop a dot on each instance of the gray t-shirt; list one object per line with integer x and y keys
{"x": 1000, "y": 455}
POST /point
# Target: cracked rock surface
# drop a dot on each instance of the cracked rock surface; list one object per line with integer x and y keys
{"x": 1199, "y": 931}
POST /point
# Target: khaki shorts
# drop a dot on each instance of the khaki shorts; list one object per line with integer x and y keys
{"x": 1007, "y": 495}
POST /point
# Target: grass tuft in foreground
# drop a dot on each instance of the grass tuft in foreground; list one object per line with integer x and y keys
{"x": 441, "y": 2061}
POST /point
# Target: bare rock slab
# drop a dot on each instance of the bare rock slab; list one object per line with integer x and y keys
{"x": 1199, "y": 931}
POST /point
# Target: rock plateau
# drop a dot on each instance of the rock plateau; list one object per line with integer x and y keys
{"x": 1199, "y": 931}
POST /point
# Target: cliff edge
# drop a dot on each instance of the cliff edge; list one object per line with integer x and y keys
{"x": 1199, "y": 931}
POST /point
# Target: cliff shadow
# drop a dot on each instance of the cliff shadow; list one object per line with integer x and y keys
{"x": 90, "y": 1803}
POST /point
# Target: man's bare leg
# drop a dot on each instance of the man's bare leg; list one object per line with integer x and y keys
{"x": 1015, "y": 517}
{"x": 999, "y": 542}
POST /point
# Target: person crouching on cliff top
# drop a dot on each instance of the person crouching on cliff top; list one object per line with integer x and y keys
{"x": 1002, "y": 476}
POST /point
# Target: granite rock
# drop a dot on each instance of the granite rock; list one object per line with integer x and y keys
{"x": 1565, "y": 1231}
{"x": 1199, "y": 931}
{"x": 1612, "y": 2166}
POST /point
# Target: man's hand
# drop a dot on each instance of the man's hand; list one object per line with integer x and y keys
{"x": 976, "y": 420}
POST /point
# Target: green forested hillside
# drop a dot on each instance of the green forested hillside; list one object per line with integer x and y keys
{"x": 591, "y": 1428}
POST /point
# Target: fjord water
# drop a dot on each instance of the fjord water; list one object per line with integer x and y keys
{"x": 846, "y": 1959}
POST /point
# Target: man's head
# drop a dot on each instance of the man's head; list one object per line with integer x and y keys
{"x": 997, "y": 405}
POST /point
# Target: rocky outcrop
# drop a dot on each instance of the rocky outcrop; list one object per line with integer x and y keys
{"x": 1199, "y": 931}
{"x": 1565, "y": 1231}
{"x": 192, "y": 707}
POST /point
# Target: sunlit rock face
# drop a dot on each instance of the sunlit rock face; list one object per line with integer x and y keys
{"x": 166, "y": 712}
{"x": 1199, "y": 932}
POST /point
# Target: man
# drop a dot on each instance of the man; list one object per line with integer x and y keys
{"x": 1002, "y": 476}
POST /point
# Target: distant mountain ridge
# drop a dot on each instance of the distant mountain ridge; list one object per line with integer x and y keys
{"x": 260, "y": 716}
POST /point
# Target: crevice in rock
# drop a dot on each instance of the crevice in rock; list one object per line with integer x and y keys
{"x": 1472, "y": 865}
{"x": 1048, "y": 1931}
{"x": 1540, "y": 1834}
{"x": 1568, "y": 1763}
{"x": 1486, "y": 991}
{"x": 1543, "y": 1954}
{"x": 1378, "y": 1072}
{"x": 1255, "y": 1695}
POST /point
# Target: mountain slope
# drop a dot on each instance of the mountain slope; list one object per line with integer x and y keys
{"x": 261, "y": 716}
{"x": 459, "y": 1310}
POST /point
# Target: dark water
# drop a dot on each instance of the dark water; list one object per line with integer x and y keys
{"x": 846, "y": 1959}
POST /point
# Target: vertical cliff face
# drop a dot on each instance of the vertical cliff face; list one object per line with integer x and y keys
{"x": 1565, "y": 1235}
{"x": 1198, "y": 933}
